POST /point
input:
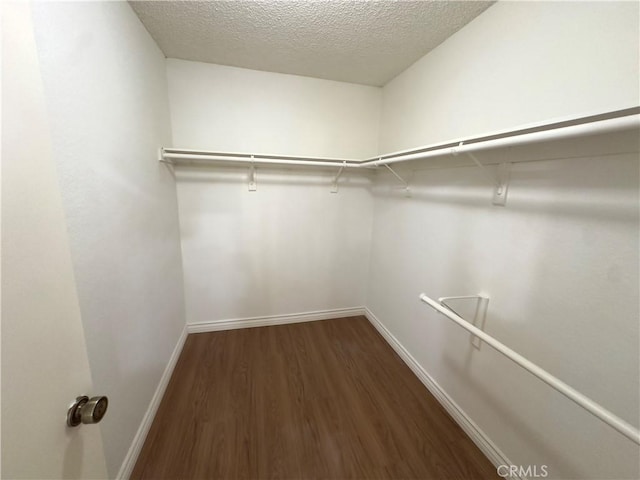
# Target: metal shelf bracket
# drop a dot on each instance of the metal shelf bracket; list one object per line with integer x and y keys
{"x": 161, "y": 158}
{"x": 253, "y": 183}
{"x": 502, "y": 185}
{"x": 334, "y": 184}
{"x": 407, "y": 190}
{"x": 501, "y": 180}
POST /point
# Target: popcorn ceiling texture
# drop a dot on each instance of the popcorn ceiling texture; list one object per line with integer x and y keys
{"x": 349, "y": 41}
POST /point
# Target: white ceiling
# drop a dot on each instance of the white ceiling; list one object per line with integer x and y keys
{"x": 368, "y": 42}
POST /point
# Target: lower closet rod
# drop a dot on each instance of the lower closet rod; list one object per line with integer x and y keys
{"x": 585, "y": 402}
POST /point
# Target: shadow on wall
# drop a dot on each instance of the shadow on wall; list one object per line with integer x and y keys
{"x": 509, "y": 416}
{"x": 540, "y": 191}
{"x": 559, "y": 466}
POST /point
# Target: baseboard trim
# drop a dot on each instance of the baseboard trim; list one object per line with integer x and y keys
{"x": 483, "y": 442}
{"x": 138, "y": 441}
{"x": 216, "y": 325}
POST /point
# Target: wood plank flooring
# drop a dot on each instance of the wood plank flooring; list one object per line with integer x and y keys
{"x": 327, "y": 399}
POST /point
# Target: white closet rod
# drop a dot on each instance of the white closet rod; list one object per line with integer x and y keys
{"x": 170, "y": 154}
{"x": 624, "y": 119}
{"x": 585, "y": 402}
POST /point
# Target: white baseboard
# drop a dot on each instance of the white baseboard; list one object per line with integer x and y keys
{"x": 491, "y": 451}
{"x": 231, "y": 324}
{"x": 138, "y": 441}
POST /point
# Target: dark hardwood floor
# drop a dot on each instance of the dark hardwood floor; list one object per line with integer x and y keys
{"x": 327, "y": 399}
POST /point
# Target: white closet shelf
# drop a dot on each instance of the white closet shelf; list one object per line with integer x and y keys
{"x": 614, "y": 121}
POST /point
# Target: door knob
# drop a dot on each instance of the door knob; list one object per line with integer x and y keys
{"x": 87, "y": 410}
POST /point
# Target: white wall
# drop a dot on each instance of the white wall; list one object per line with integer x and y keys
{"x": 106, "y": 90}
{"x": 560, "y": 264}
{"x": 292, "y": 246}
{"x": 560, "y": 261}
{"x": 214, "y": 107}
{"x": 516, "y": 63}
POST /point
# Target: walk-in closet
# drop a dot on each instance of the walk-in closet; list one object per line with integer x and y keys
{"x": 304, "y": 239}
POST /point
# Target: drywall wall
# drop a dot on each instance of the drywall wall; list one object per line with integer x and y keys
{"x": 516, "y": 63}
{"x": 44, "y": 356}
{"x": 292, "y": 246}
{"x": 106, "y": 91}
{"x": 230, "y": 109}
{"x": 560, "y": 265}
{"x": 289, "y": 247}
{"x": 559, "y": 262}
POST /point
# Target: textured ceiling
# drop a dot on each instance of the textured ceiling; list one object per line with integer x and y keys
{"x": 367, "y": 42}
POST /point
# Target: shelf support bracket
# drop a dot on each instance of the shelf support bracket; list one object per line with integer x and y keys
{"x": 502, "y": 185}
{"x": 253, "y": 184}
{"x": 482, "y": 304}
{"x": 161, "y": 158}
{"x": 402, "y": 180}
{"x": 501, "y": 180}
{"x": 334, "y": 184}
